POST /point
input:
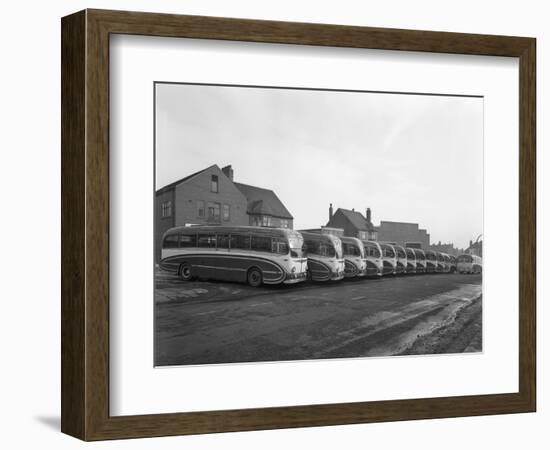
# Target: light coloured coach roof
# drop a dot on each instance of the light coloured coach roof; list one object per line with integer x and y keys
{"x": 371, "y": 244}
{"x": 350, "y": 240}
{"x": 319, "y": 236}
{"x": 419, "y": 250}
{"x": 263, "y": 231}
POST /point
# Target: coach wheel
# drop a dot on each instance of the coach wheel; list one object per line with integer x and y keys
{"x": 254, "y": 277}
{"x": 185, "y": 272}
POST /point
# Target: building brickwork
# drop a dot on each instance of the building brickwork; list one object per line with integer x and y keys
{"x": 199, "y": 189}
{"x": 403, "y": 233}
{"x": 353, "y": 223}
{"x": 163, "y": 222}
{"x": 211, "y": 197}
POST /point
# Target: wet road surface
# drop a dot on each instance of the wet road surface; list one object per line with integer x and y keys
{"x": 212, "y": 322}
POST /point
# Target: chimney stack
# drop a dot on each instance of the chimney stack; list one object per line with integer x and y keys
{"x": 228, "y": 171}
{"x": 330, "y": 211}
{"x": 368, "y": 215}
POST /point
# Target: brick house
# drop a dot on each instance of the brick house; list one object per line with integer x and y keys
{"x": 353, "y": 223}
{"x": 211, "y": 197}
{"x": 264, "y": 208}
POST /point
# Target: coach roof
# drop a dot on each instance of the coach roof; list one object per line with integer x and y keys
{"x": 262, "y": 231}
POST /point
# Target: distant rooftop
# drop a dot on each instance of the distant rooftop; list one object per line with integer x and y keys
{"x": 181, "y": 180}
{"x": 398, "y": 223}
{"x": 357, "y": 219}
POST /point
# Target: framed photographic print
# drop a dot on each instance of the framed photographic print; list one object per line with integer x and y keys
{"x": 272, "y": 224}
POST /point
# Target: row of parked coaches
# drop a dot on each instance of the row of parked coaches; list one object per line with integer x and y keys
{"x": 259, "y": 255}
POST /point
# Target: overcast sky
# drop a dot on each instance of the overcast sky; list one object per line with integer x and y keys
{"x": 410, "y": 158}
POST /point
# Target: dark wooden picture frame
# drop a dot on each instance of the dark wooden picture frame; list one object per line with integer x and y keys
{"x": 85, "y": 224}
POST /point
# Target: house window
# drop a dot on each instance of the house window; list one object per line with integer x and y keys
{"x": 200, "y": 208}
{"x": 166, "y": 209}
{"x": 213, "y": 212}
{"x": 266, "y": 221}
{"x": 284, "y": 223}
{"x": 226, "y": 215}
{"x": 214, "y": 183}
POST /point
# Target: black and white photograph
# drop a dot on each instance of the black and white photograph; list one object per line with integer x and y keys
{"x": 297, "y": 223}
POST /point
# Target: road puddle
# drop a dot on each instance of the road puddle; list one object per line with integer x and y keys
{"x": 389, "y": 333}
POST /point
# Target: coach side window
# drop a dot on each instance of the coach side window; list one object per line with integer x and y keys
{"x": 207, "y": 241}
{"x": 188, "y": 240}
{"x": 326, "y": 250}
{"x": 171, "y": 241}
{"x": 350, "y": 249}
{"x": 240, "y": 241}
{"x": 261, "y": 243}
{"x": 223, "y": 241}
{"x": 279, "y": 246}
{"x": 312, "y": 247}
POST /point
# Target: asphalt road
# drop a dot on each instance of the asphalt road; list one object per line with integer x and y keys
{"x": 211, "y": 322}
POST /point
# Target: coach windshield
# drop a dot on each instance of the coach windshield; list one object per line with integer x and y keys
{"x": 297, "y": 247}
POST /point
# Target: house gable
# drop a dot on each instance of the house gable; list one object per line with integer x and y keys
{"x": 198, "y": 188}
{"x": 263, "y": 202}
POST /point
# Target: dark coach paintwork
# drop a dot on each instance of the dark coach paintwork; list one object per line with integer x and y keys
{"x": 401, "y": 255}
{"x": 234, "y": 264}
{"x": 318, "y": 268}
{"x": 431, "y": 261}
{"x": 225, "y": 267}
{"x": 411, "y": 260}
{"x": 420, "y": 256}
{"x": 440, "y": 268}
